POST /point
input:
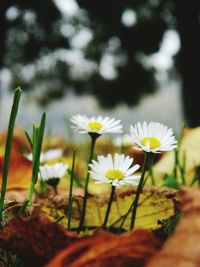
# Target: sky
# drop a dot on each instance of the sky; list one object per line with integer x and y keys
{"x": 163, "y": 106}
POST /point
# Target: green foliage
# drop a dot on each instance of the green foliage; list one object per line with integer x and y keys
{"x": 8, "y": 260}
{"x": 196, "y": 177}
{"x": 171, "y": 181}
{"x": 169, "y": 225}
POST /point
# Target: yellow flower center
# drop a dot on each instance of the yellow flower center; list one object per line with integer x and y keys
{"x": 114, "y": 174}
{"x": 95, "y": 126}
{"x": 153, "y": 142}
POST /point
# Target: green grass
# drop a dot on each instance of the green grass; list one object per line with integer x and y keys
{"x": 8, "y": 147}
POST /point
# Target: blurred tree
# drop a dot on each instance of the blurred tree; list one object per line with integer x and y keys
{"x": 124, "y": 34}
{"x": 112, "y": 67}
{"x": 29, "y": 32}
{"x": 46, "y": 53}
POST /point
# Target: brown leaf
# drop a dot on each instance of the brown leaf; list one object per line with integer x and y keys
{"x": 18, "y": 195}
{"x": 19, "y": 175}
{"x": 35, "y": 237}
{"x": 105, "y": 250}
{"x": 19, "y": 142}
{"x": 183, "y": 248}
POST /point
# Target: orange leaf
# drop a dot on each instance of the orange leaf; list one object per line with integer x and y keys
{"x": 183, "y": 248}
{"x": 108, "y": 250}
{"x": 19, "y": 175}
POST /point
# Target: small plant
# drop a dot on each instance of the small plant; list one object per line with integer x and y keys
{"x": 151, "y": 138}
{"x": 37, "y": 138}
{"x": 95, "y": 127}
{"x": 36, "y": 145}
{"x": 116, "y": 171}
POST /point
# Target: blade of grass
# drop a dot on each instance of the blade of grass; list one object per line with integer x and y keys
{"x": 38, "y": 134}
{"x": 23, "y": 207}
{"x": 35, "y": 141}
{"x": 77, "y": 182}
{"x": 183, "y": 168}
{"x": 36, "y": 144}
{"x": 70, "y": 199}
{"x": 8, "y": 147}
{"x": 29, "y": 139}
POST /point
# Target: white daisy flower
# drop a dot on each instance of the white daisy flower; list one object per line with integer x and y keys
{"x": 153, "y": 137}
{"x": 116, "y": 171}
{"x": 99, "y": 125}
{"x": 55, "y": 171}
{"x": 48, "y": 155}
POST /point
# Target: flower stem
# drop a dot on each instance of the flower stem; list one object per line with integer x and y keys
{"x": 109, "y": 207}
{"x": 8, "y": 148}
{"x": 139, "y": 189}
{"x": 82, "y": 219}
{"x": 125, "y": 217}
{"x": 55, "y": 188}
{"x": 151, "y": 173}
{"x": 70, "y": 199}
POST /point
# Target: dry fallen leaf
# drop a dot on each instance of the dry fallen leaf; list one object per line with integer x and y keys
{"x": 19, "y": 142}
{"x": 183, "y": 248}
{"x": 154, "y": 205}
{"x": 107, "y": 250}
{"x": 19, "y": 175}
{"x": 35, "y": 238}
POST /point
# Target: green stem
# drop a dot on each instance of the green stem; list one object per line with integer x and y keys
{"x": 132, "y": 205}
{"x": 139, "y": 190}
{"x": 82, "y": 219}
{"x": 125, "y": 217}
{"x": 196, "y": 176}
{"x": 70, "y": 199}
{"x": 55, "y": 188}
{"x": 109, "y": 208}
{"x": 183, "y": 168}
{"x": 31, "y": 191}
{"x": 151, "y": 173}
{"x": 176, "y": 163}
{"x": 43, "y": 187}
{"x": 8, "y": 147}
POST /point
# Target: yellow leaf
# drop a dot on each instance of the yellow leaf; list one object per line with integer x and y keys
{"x": 190, "y": 148}
{"x": 154, "y": 205}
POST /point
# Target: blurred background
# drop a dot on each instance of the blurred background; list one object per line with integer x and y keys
{"x": 133, "y": 60}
